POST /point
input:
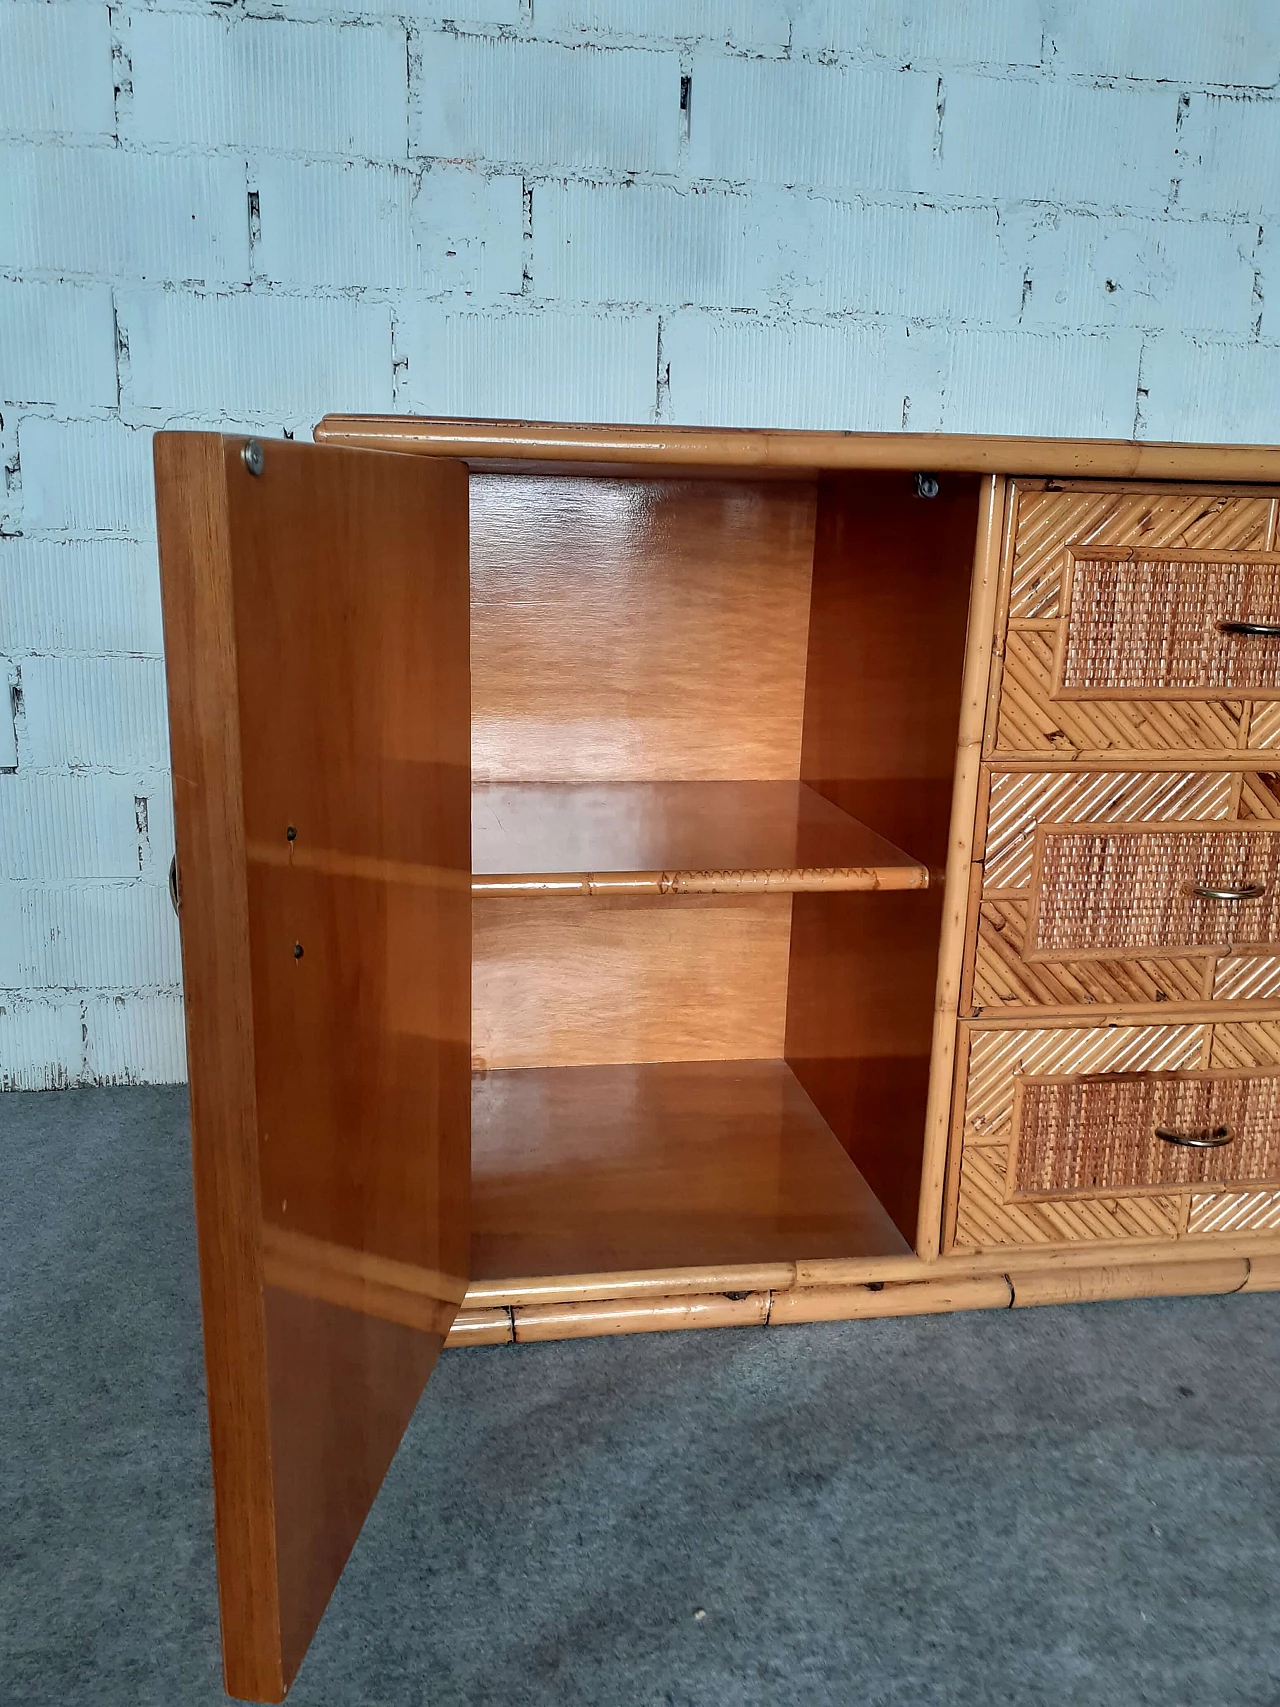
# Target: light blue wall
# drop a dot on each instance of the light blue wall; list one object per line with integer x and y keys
{"x": 1019, "y": 216}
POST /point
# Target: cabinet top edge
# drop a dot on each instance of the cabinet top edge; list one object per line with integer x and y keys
{"x": 498, "y": 444}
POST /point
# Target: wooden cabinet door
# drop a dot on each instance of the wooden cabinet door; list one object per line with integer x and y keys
{"x": 316, "y": 627}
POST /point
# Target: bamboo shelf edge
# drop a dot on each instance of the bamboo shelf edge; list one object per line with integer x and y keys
{"x": 800, "y": 453}
{"x": 1013, "y": 1288}
{"x": 804, "y": 881}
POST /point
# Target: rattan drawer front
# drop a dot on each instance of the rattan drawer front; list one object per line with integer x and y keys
{"x": 1039, "y": 1162}
{"x": 1096, "y": 1135}
{"x": 1165, "y": 622}
{"x": 1111, "y": 641}
{"x": 1103, "y": 890}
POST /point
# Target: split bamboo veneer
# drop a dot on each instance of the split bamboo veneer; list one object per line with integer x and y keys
{"x": 649, "y": 878}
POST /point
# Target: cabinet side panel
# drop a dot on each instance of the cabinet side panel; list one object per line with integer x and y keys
{"x": 205, "y": 740}
{"x": 891, "y": 580}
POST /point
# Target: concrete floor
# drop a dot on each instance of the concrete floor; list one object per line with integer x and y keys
{"x": 1068, "y": 1506}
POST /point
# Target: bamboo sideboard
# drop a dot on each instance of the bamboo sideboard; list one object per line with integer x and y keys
{"x": 644, "y": 878}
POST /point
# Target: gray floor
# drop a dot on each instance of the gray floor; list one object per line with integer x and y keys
{"x": 1059, "y": 1506}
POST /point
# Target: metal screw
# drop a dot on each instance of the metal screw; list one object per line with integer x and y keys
{"x": 291, "y": 834}
{"x": 297, "y": 951}
{"x": 926, "y": 485}
{"x": 254, "y": 460}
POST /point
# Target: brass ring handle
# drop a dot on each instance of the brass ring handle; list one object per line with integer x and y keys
{"x": 1268, "y": 630}
{"x": 1207, "y": 1140}
{"x": 1240, "y": 892}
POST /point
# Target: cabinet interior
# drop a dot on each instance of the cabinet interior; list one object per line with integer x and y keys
{"x": 713, "y": 734}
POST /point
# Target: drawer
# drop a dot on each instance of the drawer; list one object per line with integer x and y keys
{"x": 1073, "y": 1134}
{"x": 1098, "y": 887}
{"x": 1138, "y": 620}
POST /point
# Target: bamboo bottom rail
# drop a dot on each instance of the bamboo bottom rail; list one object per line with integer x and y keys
{"x": 1014, "y": 1289}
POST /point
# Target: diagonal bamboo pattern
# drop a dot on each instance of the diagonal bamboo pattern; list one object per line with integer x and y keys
{"x": 1235, "y": 1212}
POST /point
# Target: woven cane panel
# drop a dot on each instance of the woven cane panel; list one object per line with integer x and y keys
{"x": 997, "y": 1057}
{"x": 1002, "y": 978}
{"x": 1108, "y": 891}
{"x": 1032, "y": 722}
{"x": 1247, "y": 978}
{"x": 1021, "y": 800}
{"x": 1048, "y": 523}
{"x": 1099, "y": 1134}
{"x": 1149, "y": 622}
{"x": 985, "y": 1218}
{"x": 1235, "y": 1212}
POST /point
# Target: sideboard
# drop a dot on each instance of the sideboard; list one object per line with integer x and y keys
{"x": 642, "y": 878}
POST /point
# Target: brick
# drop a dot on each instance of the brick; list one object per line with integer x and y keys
{"x": 540, "y": 105}
{"x": 650, "y": 243}
{"x": 253, "y": 357}
{"x": 83, "y": 596}
{"x": 469, "y": 230}
{"x": 857, "y": 129}
{"x": 55, "y": 70}
{"x": 85, "y": 476}
{"x": 87, "y": 936}
{"x": 54, "y": 827}
{"x": 1060, "y": 142}
{"x": 59, "y": 344}
{"x": 999, "y": 32}
{"x": 96, "y": 711}
{"x": 855, "y": 376}
{"x": 1210, "y": 391}
{"x": 1088, "y": 270}
{"x": 41, "y": 1042}
{"x": 127, "y": 215}
{"x": 1229, "y": 156}
{"x": 531, "y": 365}
{"x": 318, "y": 88}
{"x": 1057, "y": 385}
{"x": 1176, "y": 41}
{"x": 736, "y": 23}
{"x": 135, "y": 1039}
{"x": 333, "y": 223}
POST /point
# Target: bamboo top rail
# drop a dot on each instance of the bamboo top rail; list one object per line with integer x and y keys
{"x": 501, "y": 444}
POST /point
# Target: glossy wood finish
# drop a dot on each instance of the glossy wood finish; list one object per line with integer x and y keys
{"x": 316, "y": 622}
{"x": 584, "y": 1169}
{"x": 886, "y": 650}
{"x": 651, "y": 630}
{"x": 559, "y": 981}
{"x": 673, "y": 838}
{"x": 484, "y": 443}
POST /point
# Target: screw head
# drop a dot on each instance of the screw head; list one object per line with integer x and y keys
{"x": 254, "y": 460}
{"x": 291, "y": 834}
{"x": 297, "y": 951}
{"x": 926, "y": 485}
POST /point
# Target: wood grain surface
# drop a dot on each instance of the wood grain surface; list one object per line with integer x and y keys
{"x": 649, "y": 630}
{"x": 591, "y": 1168}
{"x": 316, "y": 620}
{"x": 558, "y": 981}
{"x": 675, "y": 838}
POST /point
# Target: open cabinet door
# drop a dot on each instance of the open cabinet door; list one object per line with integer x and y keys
{"x": 316, "y": 628}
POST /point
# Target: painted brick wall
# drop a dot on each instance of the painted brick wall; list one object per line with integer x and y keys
{"x": 1039, "y": 216}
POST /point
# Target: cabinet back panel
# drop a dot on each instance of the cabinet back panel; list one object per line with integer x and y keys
{"x": 648, "y": 629}
{"x": 558, "y": 981}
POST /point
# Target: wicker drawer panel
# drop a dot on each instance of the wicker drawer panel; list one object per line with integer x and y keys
{"x": 1008, "y": 1132}
{"x": 1101, "y": 890}
{"x": 1150, "y": 622}
{"x": 1099, "y": 1134}
{"x": 1110, "y": 642}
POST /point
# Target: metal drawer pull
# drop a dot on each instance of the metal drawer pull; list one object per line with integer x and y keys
{"x": 1268, "y": 630}
{"x": 1213, "y": 1140}
{"x": 1241, "y": 892}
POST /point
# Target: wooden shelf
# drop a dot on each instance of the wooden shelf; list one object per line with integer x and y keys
{"x": 580, "y": 1170}
{"x": 674, "y": 838}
